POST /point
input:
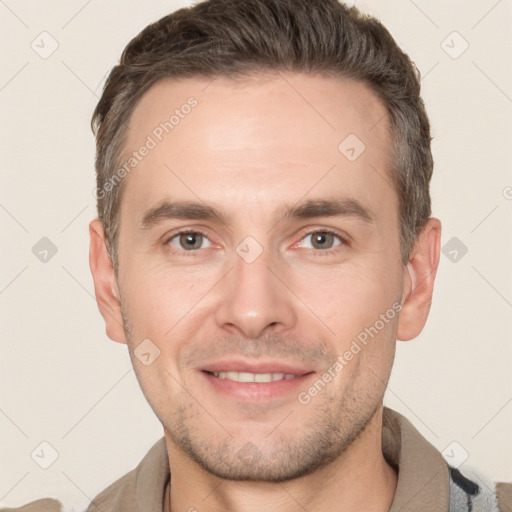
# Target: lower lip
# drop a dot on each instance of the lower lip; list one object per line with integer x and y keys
{"x": 257, "y": 391}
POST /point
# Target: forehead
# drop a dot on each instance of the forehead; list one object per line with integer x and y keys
{"x": 232, "y": 141}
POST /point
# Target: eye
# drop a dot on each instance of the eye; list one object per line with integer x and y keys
{"x": 321, "y": 240}
{"x": 189, "y": 241}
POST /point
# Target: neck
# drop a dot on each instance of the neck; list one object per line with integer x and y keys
{"x": 358, "y": 480}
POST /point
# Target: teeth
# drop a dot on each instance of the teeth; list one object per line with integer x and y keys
{"x": 242, "y": 377}
{"x": 253, "y": 377}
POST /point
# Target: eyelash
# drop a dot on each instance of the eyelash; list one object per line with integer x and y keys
{"x": 327, "y": 252}
{"x": 184, "y": 232}
{"x": 319, "y": 252}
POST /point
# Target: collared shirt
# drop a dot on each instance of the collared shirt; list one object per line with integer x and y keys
{"x": 426, "y": 483}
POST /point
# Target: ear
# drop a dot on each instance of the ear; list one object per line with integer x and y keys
{"x": 105, "y": 283}
{"x": 418, "y": 286}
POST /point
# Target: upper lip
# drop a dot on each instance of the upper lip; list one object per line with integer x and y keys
{"x": 233, "y": 365}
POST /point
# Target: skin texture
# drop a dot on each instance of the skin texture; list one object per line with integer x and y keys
{"x": 253, "y": 148}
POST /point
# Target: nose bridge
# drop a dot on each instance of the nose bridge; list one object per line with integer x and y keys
{"x": 253, "y": 298}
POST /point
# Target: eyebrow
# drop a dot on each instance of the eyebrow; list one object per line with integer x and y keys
{"x": 189, "y": 210}
{"x": 179, "y": 210}
{"x": 345, "y": 207}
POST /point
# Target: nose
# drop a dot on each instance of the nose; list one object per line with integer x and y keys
{"x": 254, "y": 298}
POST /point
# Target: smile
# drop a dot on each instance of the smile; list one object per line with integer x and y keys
{"x": 253, "y": 377}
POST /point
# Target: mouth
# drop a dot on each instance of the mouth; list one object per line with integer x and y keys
{"x": 252, "y": 377}
{"x": 255, "y": 382}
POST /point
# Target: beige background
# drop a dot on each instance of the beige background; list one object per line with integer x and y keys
{"x": 64, "y": 382}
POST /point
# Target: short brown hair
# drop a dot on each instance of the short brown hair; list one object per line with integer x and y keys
{"x": 239, "y": 37}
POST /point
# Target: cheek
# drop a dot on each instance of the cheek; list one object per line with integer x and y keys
{"x": 159, "y": 297}
{"x": 348, "y": 298}
{"x": 366, "y": 358}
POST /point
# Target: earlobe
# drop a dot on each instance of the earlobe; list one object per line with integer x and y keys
{"x": 419, "y": 280}
{"x": 105, "y": 283}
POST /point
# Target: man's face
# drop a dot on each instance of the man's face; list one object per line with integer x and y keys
{"x": 290, "y": 252}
